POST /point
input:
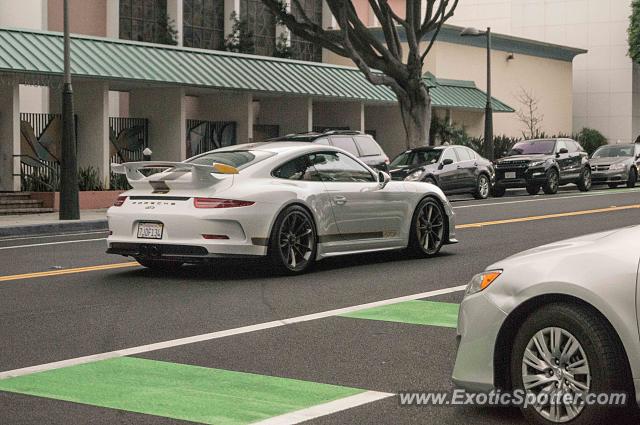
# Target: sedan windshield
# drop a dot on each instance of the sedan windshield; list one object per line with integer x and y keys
{"x": 614, "y": 151}
{"x": 416, "y": 158}
{"x": 237, "y": 159}
{"x": 534, "y": 147}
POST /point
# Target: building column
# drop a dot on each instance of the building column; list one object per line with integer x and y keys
{"x": 236, "y": 107}
{"x": 10, "y": 137}
{"x": 175, "y": 12}
{"x": 92, "y": 110}
{"x": 113, "y": 18}
{"x": 165, "y": 110}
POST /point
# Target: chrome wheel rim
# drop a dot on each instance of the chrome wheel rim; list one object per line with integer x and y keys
{"x": 587, "y": 179}
{"x": 553, "y": 180}
{"x": 430, "y": 227}
{"x": 296, "y": 240}
{"x": 556, "y": 370}
{"x": 484, "y": 186}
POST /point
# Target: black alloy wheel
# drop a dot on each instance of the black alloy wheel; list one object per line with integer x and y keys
{"x": 293, "y": 242}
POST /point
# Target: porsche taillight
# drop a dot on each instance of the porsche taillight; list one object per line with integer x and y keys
{"x": 220, "y": 203}
{"x": 119, "y": 201}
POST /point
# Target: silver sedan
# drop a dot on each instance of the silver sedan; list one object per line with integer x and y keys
{"x": 558, "y": 320}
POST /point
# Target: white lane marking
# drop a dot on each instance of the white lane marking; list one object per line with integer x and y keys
{"x": 220, "y": 334}
{"x": 325, "y": 409}
{"x": 541, "y": 199}
{"x": 51, "y": 243}
{"x": 59, "y": 235}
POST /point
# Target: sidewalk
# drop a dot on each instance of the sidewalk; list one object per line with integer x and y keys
{"x": 49, "y": 224}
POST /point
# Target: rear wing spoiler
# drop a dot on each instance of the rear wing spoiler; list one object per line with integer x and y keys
{"x": 200, "y": 174}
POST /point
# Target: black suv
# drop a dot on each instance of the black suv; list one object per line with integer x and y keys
{"x": 356, "y": 143}
{"x": 543, "y": 163}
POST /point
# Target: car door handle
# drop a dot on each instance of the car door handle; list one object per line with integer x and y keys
{"x": 340, "y": 200}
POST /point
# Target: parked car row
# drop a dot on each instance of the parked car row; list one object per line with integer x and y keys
{"x": 543, "y": 164}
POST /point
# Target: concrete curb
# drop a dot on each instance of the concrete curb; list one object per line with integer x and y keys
{"x": 57, "y": 228}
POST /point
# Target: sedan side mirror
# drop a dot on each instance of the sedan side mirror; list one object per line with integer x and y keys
{"x": 444, "y": 162}
{"x": 383, "y": 179}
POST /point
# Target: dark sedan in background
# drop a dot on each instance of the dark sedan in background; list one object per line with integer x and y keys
{"x": 543, "y": 163}
{"x": 615, "y": 165}
{"x": 455, "y": 169}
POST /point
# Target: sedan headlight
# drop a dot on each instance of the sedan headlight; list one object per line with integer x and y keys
{"x": 618, "y": 166}
{"x": 482, "y": 281}
{"x": 415, "y": 176}
{"x": 536, "y": 164}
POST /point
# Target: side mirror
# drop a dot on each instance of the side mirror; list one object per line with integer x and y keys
{"x": 563, "y": 151}
{"x": 383, "y": 179}
{"x": 447, "y": 161}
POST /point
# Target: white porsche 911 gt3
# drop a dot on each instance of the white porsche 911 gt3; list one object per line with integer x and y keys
{"x": 293, "y": 202}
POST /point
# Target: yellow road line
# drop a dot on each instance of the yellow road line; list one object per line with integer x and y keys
{"x": 546, "y": 217}
{"x": 460, "y": 226}
{"x": 68, "y": 271}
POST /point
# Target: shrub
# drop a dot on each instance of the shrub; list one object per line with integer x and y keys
{"x": 89, "y": 179}
{"x": 590, "y": 139}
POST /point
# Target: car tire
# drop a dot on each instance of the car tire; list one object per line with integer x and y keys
{"x": 483, "y": 187}
{"x": 428, "y": 228}
{"x": 533, "y": 189}
{"x": 293, "y": 243}
{"x": 633, "y": 178}
{"x": 498, "y": 191}
{"x": 584, "y": 184}
{"x": 159, "y": 265}
{"x": 612, "y": 185}
{"x": 607, "y": 369}
{"x": 550, "y": 186}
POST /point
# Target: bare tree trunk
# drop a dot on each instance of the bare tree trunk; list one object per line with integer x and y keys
{"x": 415, "y": 109}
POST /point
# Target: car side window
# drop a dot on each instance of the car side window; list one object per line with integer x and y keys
{"x": 338, "y": 167}
{"x": 346, "y": 143}
{"x": 297, "y": 169}
{"x": 472, "y": 153}
{"x": 324, "y": 142}
{"x": 449, "y": 154}
{"x": 367, "y": 146}
{"x": 463, "y": 154}
{"x": 572, "y": 147}
{"x": 561, "y": 145}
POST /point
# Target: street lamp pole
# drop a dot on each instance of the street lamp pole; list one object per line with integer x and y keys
{"x": 488, "y": 112}
{"x": 69, "y": 203}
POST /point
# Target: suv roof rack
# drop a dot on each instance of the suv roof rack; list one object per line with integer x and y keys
{"x": 313, "y": 135}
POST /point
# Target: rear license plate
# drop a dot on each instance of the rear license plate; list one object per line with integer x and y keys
{"x": 150, "y": 230}
{"x": 510, "y": 175}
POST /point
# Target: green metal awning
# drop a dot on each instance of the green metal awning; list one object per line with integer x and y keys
{"x": 39, "y": 53}
{"x": 460, "y": 94}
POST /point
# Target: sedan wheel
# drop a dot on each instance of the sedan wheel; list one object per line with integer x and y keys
{"x": 428, "y": 229}
{"x": 562, "y": 353}
{"x": 482, "y": 187}
{"x": 293, "y": 241}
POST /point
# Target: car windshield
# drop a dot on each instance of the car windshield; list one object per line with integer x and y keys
{"x": 237, "y": 159}
{"x": 614, "y": 151}
{"x": 533, "y": 147}
{"x": 421, "y": 157}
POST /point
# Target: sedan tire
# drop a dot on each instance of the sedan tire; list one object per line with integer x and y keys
{"x": 483, "y": 187}
{"x": 293, "y": 242}
{"x": 428, "y": 229}
{"x": 566, "y": 348}
{"x": 633, "y": 178}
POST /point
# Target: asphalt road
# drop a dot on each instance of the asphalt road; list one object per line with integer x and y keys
{"x": 55, "y": 305}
